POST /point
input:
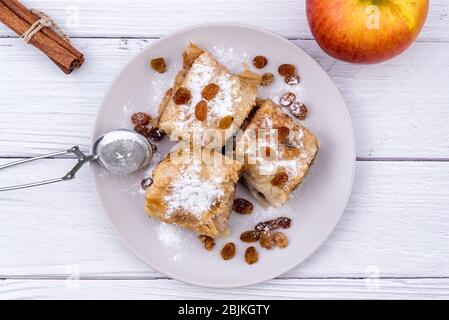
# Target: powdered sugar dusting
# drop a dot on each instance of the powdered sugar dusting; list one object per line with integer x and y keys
{"x": 230, "y": 56}
{"x": 176, "y": 241}
{"x": 189, "y": 192}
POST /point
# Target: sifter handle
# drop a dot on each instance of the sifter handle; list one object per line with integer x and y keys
{"x": 82, "y": 159}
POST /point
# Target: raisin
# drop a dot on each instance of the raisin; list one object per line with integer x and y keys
{"x": 153, "y": 148}
{"x": 283, "y": 133}
{"x": 201, "y": 110}
{"x": 267, "y": 79}
{"x": 267, "y": 240}
{"x": 286, "y": 70}
{"x": 281, "y": 239}
{"x": 251, "y": 255}
{"x": 145, "y": 131}
{"x": 226, "y": 122}
{"x": 287, "y": 99}
{"x": 207, "y": 241}
{"x": 242, "y": 206}
{"x": 250, "y": 236}
{"x": 140, "y": 118}
{"x": 292, "y": 80}
{"x": 260, "y": 61}
{"x": 299, "y": 110}
{"x": 146, "y": 183}
{"x": 281, "y": 222}
{"x": 159, "y": 65}
{"x": 157, "y": 134}
{"x": 182, "y": 96}
{"x": 280, "y": 179}
{"x": 210, "y": 91}
{"x": 228, "y": 251}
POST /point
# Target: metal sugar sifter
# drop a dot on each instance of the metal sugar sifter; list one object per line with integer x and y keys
{"x": 121, "y": 152}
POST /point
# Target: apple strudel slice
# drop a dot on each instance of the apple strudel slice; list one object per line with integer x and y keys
{"x": 194, "y": 190}
{"x": 278, "y": 153}
{"x": 206, "y": 101}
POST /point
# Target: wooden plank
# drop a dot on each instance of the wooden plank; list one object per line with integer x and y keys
{"x": 116, "y": 18}
{"x": 399, "y": 108}
{"x": 163, "y": 289}
{"x": 396, "y": 225}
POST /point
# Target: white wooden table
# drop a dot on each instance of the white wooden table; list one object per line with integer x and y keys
{"x": 392, "y": 242}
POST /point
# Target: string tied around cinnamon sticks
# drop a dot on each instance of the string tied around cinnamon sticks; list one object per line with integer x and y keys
{"x": 44, "y": 21}
{"x": 39, "y": 30}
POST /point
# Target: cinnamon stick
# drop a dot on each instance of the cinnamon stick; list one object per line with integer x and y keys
{"x": 19, "y": 19}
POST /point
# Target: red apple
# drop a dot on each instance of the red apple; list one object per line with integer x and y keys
{"x": 366, "y": 31}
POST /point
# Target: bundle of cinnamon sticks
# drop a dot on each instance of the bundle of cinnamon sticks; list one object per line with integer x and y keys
{"x": 19, "y": 18}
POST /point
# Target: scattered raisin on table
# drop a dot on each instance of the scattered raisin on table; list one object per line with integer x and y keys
{"x": 158, "y": 65}
{"x": 287, "y": 99}
{"x": 260, "y": 61}
{"x": 157, "y": 134}
{"x": 210, "y": 91}
{"x": 280, "y": 179}
{"x": 228, "y": 251}
{"x": 267, "y": 79}
{"x": 267, "y": 240}
{"x": 250, "y": 236}
{"x": 146, "y": 183}
{"x": 207, "y": 241}
{"x": 182, "y": 96}
{"x": 292, "y": 80}
{"x": 143, "y": 130}
{"x": 226, "y": 122}
{"x": 242, "y": 206}
{"x": 251, "y": 255}
{"x": 201, "y": 110}
{"x": 286, "y": 70}
{"x": 281, "y": 240}
{"x": 281, "y": 222}
{"x": 140, "y": 118}
{"x": 299, "y": 110}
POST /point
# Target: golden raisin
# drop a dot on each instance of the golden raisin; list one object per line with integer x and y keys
{"x": 228, "y": 251}
{"x": 299, "y": 110}
{"x": 281, "y": 222}
{"x": 286, "y": 70}
{"x": 292, "y": 80}
{"x": 140, "y": 118}
{"x": 287, "y": 99}
{"x": 242, "y": 206}
{"x": 283, "y": 133}
{"x": 250, "y": 236}
{"x": 267, "y": 240}
{"x": 201, "y": 110}
{"x": 280, "y": 179}
{"x": 210, "y": 91}
{"x": 207, "y": 241}
{"x": 226, "y": 122}
{"x": 146, "y": 183}
{"x": 281, "y": 239}
{"x": 251, "y": 255}
{"x": 260, "y": 62}
{"x": 159, "y": 65}
{"x": 143, "y": 130}
{"x": 267, "y": 79}
{"x": 182, "y": 96}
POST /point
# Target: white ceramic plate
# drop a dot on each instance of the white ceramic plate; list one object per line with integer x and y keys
{"x": 315, "y": 207}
